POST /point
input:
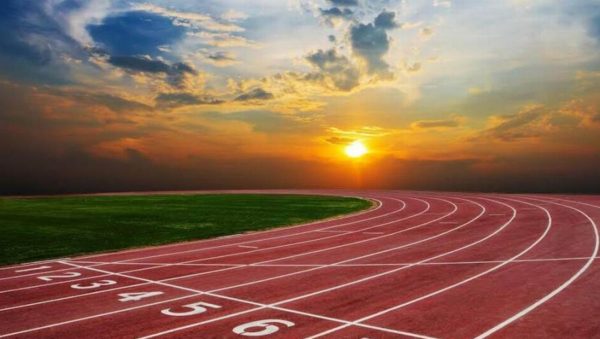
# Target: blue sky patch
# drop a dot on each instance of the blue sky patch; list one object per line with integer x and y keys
{"x": 136, "y": 33}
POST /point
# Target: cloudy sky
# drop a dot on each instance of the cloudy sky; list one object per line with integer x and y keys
{"x": 101, "y": 95}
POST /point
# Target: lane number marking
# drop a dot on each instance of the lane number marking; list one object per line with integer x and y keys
{"x": 137, "y": 296}
{"x": 267, "y": 326}
{"x": 59, "y": 276}
{"x": 195, "y": 308}
{"x": 93, "y": 285}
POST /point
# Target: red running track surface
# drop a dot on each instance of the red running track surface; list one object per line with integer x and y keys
{"x": 419, "y": 264}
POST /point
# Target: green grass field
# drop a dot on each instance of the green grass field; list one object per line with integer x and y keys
{"x": 42, "y": 228}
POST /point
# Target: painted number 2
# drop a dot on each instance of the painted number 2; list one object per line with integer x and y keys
{"x": 261, "y": 328}
{"x": 195, "y": 308}
{"x": 60, "y": 276}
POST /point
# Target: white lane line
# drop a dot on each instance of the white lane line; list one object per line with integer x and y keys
{"x": 464, "y": 281}
{"x": 560, "y": 288}
{"x": 347, "y": 323}
{"x": 376, "y": 233}
{"x": 148, "y": 264}
{"x": 39, "y": 268}
{"x": 316, "y": 239}
{"x": 36, "y": 273}
{"x": 245, "y": 246}
{"x": 182, "y": 277}
{"x": 439, "y": 263}
{"x": 111, "y": 289}
{"x": 151, "y": 268}
{"x": 334, "y": 231}
{"x": 379, "y": 205}
{"x": 374, "y": 238}
{"x": 314, "y": 223}
{"x": 32, "y": 263}
{"x": 190, "y": 261}
{"x": 574, "y": 201}
{"x": 261, "y": 306}
{"x": 95, "y": 316}
{"x": 382, "y": 329}
{"x": 278, "y": 237}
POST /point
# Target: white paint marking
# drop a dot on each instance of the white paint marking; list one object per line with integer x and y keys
{"x": 33, "y": 269}
{"x": 462, "y": 282}
{"x": 245, "y": 246}
{"x": 262, "y": 306}
{"x": 563, "y": 286}
{"x": 238, "y": 300}
{"x": 334, "y": 231}
{"x": 380, "y": 205}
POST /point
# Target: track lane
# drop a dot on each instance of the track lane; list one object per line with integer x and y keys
{"x": 270, "y": 270}
{"x": 279, "y": 274}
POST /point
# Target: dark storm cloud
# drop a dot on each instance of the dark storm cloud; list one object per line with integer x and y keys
{"x": 333, "y": 69}
{"x": 344, "y": 2}
{"x": 136, "y": 33}
{"x": 255, "y": 94}
{"x": 336, "y": 12}
{"x": 141, "y": 64}
{"x": 171, "y": 100}
{"x": 370, "y": 42}
{"x": 386, "y": 20}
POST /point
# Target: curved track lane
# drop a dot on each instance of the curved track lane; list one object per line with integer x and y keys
{"x": 417, "y": 264}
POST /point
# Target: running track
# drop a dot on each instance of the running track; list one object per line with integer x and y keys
{"x": 418, "y": 264}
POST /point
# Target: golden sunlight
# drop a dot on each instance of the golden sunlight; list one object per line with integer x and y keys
{"x": 356, "y": 149}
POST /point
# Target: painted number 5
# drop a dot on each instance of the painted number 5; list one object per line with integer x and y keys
{"x": 195, "y": 308}
{"x": 266, "y": 327}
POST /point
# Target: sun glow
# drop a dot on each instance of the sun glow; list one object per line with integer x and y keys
{"x": 356, "y": 149}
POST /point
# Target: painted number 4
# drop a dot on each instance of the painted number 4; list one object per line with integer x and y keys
{"x": 261, "y": 328}
{"x": 137, "y": 296}
{"x": 195, "y": 308}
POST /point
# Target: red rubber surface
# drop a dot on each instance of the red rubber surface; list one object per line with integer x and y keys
{"x": 420, "y": 264}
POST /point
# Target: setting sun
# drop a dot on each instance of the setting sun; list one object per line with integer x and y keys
{"x": 356, "y": 149}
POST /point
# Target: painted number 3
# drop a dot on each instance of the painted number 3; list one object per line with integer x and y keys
{"x": 93, "y": 285}
{"x": 261, "y": 328}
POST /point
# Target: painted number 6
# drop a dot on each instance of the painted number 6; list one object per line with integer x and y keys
{"x": 266, "y": 325}
{"x": 195, "y": 308}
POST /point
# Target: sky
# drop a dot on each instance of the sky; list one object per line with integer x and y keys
{"x": 463, "y": 95}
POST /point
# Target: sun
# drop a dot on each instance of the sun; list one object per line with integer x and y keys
{"x": 356, "y": 149}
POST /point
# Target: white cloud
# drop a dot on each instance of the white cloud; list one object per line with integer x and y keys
{"x": 190, "y": 19}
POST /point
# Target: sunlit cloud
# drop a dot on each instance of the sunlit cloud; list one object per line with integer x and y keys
{"x": 470, "y": 90}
